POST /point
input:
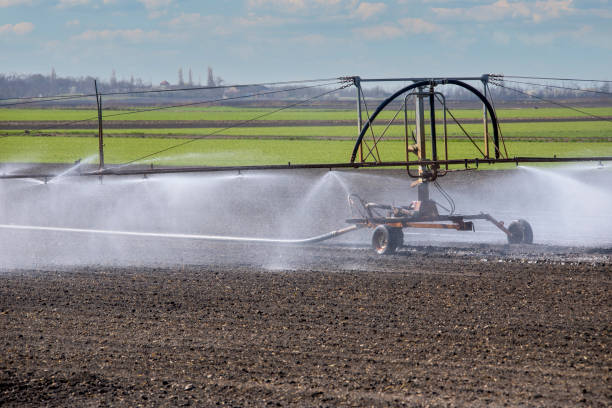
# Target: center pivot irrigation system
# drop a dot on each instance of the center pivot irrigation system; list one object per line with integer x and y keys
{"x": 386, "y": 221}
{"x": 389, "y": 221}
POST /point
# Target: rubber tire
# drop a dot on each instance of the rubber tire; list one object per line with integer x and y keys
{"x": 520, "y": 232}
{"x": 383, "y": 241}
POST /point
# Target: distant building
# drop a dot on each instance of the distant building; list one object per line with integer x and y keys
{"x": 231, "y": 92}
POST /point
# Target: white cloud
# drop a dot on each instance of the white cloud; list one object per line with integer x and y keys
{"x": 404, "y": 27}
{"x": 131, "y": 35}
{"x": 291, "y": 5}
{"x": 380, "y": 32}
{"x": 554, "y": 8}
{"x": 419, "y": 26}
{"x": 186, "y": 18}
{"x": 73, "y": 23}
{"x": 23, "y": 28}
{"x": 9, "y": 3}
{"x": 156, "y": 8}
{"x": 71, "y": 3}
{"x": 19, "y": 28}
{"x": 504, "y": 9}
{"x": 367, "y": 10}
{"x": 190, "y": 23}
{"x": 294, "y": 5}
{"x": 155, "y": 4}
{"x": 252, "y": 20}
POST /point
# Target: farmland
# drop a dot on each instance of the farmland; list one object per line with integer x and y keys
{"x": 222, "y": 135}
{"x": 218, "y": 152}
{"x": 102, "y": 318}
{"x": 236, "y": 113}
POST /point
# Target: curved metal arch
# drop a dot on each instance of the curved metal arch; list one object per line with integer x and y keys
{"x": 420, "y": 84}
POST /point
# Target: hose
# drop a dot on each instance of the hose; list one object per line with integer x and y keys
{"x": 218, "y": 238}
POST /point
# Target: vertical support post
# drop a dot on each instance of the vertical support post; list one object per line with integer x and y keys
{"x": 100, "y": 132}
{"x": 432, "y": 123}
{"x": 420, "y": 128}
{"x": 445, "y": 127}
{"x": 407, "y": 140}
{"x": 357, "y": 81}
{"x": 423, "y": 187}
{"x": 485, "y": 119}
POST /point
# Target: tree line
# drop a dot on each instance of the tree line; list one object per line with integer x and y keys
{"x": 39, "y": 85}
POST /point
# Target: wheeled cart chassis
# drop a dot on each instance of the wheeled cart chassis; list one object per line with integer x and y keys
{"x": 456, "y": 222}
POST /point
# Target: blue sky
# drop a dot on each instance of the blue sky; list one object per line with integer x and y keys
{"x": 265, "y": 40}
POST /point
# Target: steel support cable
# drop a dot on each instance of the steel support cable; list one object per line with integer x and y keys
{"x": 501, "y": 136}
{"x": 70, "y": 123}
{"x": 60, "y": 97}
{"x": 365, "y": 104}
{"x": 67, "y": 123}
{"x": 557, "y": 79}
{"x": 46, "y": 99}
{"x": 465, "y": 132}
{"x": 559, "y": 87}
{"x": 553, "y": 102}
{"x": 385, "y": 130}
{"x": 218, "y": 100}
{"x": 233, "y": 126}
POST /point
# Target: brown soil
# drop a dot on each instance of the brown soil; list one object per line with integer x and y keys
{"x": 429, "y": 326}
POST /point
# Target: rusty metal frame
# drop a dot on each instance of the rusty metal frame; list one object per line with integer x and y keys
{"x": 454, "y": 222}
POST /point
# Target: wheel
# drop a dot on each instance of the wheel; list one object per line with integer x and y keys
{"x": 520, "y": 232}
{"x": 383, "y": 240}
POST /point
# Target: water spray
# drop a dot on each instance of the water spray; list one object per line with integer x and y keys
{"x": 386, "y": 221}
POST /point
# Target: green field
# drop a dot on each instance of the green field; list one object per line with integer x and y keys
{"x": 271, "y": 144}
{"x": 217, "y": 113}
{"x": 535, "y": 130}
{"x": 219, "y": 152}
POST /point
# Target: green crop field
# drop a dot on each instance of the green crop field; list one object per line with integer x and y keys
{"x": 523, "y": 130}
{"x": 215, "y": 152}
{"x": 217, "y": 113}
{"x": 244, "y": 145}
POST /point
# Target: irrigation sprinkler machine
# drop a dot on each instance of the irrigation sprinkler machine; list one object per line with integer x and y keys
{"x": 388, "y": 221}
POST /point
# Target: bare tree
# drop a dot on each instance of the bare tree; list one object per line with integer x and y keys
{"x": 190, "y": 78}
{"x": 181, "y": 82}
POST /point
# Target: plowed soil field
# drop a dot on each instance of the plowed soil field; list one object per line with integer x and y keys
{"x": 456, "y": 325}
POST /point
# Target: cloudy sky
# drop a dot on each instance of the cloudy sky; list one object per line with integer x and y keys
{"x": 264, "y": 40}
